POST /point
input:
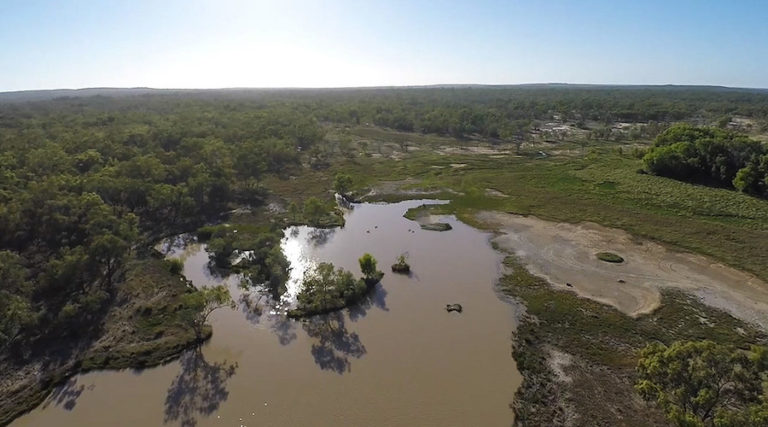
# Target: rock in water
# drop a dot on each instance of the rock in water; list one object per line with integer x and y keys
{"x": 453, "y": 307}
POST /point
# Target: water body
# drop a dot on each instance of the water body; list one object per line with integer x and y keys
{"x": 398, "y": 359}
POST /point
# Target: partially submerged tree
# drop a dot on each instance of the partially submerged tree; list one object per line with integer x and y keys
{"x": 201, "y": 303}
{"x": 368, "y": 265}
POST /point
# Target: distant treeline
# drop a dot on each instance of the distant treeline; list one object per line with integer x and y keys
{"x": 710, "y": 156}
{"x": 487, "y": 111}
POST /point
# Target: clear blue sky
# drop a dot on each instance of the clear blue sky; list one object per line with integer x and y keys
{"x": 251, "y": 43}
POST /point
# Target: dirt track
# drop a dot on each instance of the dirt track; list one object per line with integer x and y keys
{"x": 565, "y": 253}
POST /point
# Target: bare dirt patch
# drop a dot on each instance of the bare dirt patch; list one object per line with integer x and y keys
{"x": 491, "y": 192}
{"x": 564, "y": 254}
{"x": 559, "y": 362}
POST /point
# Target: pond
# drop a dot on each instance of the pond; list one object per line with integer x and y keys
{"x": 397, "y": 359}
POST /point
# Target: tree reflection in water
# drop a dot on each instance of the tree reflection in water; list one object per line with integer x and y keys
{"x": 67, "y": 394}
{"x": 320, "y": 236}
{"x": 284, "y": 328}
{"x": 334, "y": 343}
{"x": 199, "y": 388}
{"x": 377, "y": 298}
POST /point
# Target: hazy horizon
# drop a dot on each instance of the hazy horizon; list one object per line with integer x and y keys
{"x": 307, "y": 44}
{"x": 435, "y": 85}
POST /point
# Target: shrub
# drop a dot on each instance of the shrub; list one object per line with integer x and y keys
{"x": 175, "y": 266}
{"x": 401, "y": 266}
{"x": 609, "y": 257}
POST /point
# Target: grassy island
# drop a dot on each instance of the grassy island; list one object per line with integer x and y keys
{"x": 609, "y": 257}
{"x": 436, "y": 226}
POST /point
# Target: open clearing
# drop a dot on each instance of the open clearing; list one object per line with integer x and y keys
{"x": 564, "y": 254}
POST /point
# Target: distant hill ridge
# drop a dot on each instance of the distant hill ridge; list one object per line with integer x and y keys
{"x": 50, "y": 94}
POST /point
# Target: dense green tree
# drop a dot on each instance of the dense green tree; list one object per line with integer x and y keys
{"x": 707, "y": 155}
{"x": 753, "y": 177}
{"x": 314, "y": 209}
{"x": 342, "y": 183}
{"x": 326, "y": 288}
{"x": 703, "y": 383}
{"x": 368, "y": 265}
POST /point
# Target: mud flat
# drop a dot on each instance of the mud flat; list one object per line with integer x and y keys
{"x": 565, "y": 255}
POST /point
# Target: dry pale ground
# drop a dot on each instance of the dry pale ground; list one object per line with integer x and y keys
{"x": 565, "y": 254}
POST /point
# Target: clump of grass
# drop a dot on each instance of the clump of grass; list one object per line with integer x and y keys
{"x": 174, "y": 266}
{"x": 609, "y": 257}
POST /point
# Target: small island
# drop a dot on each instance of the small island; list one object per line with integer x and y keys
{"x": 327, "y": 288}
{"x": 436, "y": 226}
{"x": 609, "y": 257}
{"x": 401, "y": 266}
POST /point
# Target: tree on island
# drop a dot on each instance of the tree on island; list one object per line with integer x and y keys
{"x": 368, "y": 266}
{"x": 326, "y": 288}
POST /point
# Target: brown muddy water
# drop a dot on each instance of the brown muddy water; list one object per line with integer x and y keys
{"x": 398, "y": 359}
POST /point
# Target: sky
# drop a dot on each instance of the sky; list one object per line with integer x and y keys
{"x": 304, "y": 43}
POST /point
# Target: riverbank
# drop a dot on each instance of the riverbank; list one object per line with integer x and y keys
{"x": 578, "y": 356}
{"x": 141, "y": 328}
{"x": 583, "y": 321}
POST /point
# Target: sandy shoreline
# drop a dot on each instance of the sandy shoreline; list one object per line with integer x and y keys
{"x": 565, "y": 254}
